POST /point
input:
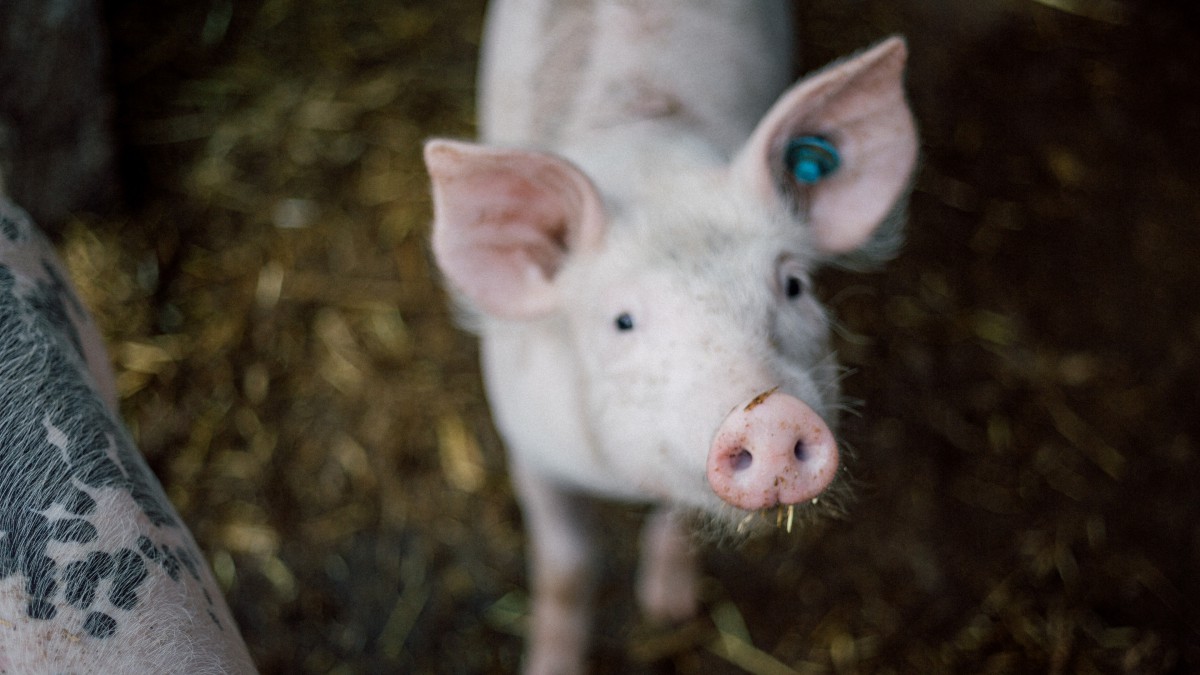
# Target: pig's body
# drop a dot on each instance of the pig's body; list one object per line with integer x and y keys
{"x": 97, "y": 573}
{"x": 636, "y": 242}
{"x": 564, "y": 75}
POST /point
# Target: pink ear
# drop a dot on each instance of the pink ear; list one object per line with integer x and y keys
{"x": 859, "y": 106}
{"x": 505, "y": 222}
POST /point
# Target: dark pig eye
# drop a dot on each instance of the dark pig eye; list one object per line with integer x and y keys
{"x": 624, "y": 322}
{"x": 792, "y": 280}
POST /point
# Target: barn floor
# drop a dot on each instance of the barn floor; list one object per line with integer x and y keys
{"x": 1029, "y": 444}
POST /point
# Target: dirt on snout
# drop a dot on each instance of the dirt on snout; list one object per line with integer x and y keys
{"x": 1026, "y": 452}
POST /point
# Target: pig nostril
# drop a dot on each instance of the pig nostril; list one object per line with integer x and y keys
{"x": 799, "y": 451}
{"x": 741, "y": 460}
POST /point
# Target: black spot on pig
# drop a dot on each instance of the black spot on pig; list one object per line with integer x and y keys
{"x": 40, "y": 609}
{"x": 9, "y": 227}
{"x": 100, "y": 625}
{"x": 84, "y": 576}
{"x": 128, "y": 573}
{"x": 171, "y": 561}
{"x": 53, "y": 302}
{"x": 79, "y": 531}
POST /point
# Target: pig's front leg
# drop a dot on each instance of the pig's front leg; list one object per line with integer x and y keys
{"x": 562, "y": 570}
{"x": 668, "y": 580}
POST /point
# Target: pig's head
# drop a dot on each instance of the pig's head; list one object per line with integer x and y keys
{"x": 703, "y": 357}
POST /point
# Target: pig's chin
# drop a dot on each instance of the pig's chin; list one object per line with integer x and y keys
{"x": 716, "y": 521}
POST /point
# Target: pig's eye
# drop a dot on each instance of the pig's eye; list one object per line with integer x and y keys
{"x": 792, "y": 282}
{"x": 793, "y": 287}
{"x": 623, "y": 322}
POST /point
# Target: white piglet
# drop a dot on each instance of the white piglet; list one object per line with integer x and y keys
{"x": 636, "y": 240}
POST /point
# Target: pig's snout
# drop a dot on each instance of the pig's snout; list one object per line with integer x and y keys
{"x": 772, "y": 451}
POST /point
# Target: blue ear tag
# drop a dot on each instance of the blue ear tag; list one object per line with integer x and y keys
{"x": 811, "y": 158}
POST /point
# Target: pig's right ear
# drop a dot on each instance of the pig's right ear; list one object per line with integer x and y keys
{"x": 839, "y": 148}
{"x": 505, "y": 222}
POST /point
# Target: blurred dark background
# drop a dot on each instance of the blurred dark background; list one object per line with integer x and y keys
{"x": 1028, "y": 441}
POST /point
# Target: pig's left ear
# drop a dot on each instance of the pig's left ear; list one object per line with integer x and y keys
{"x": 838, "y": 148}
{"x": 505, "y": 222}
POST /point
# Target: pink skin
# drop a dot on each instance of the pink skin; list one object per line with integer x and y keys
{"x": 773, "y": 451}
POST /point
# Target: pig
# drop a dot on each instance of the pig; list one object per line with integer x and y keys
{"x": 633, "y": 240}
{"x": 97, "y": 572}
